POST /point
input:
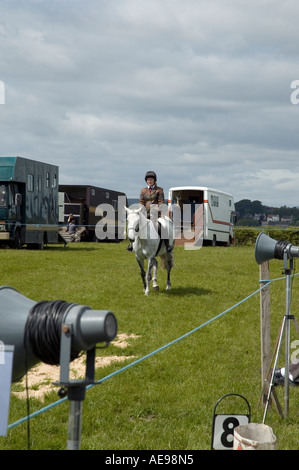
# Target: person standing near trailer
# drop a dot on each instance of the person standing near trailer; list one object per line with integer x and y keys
{"x": 70, "y": 220}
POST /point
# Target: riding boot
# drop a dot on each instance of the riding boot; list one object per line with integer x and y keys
{"x": 168, "y": 246}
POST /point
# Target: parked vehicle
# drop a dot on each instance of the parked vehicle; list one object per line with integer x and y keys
{"x": 217, "y": 209}
{"x": 28, "y": 202}
{"x": 84, "y": 202}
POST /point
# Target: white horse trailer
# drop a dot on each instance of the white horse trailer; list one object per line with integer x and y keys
{"x": 216, "y": 209}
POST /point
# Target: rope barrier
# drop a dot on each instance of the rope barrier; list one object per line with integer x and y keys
{"x": 64, "y": 224}
{"x": 138, "y": 361}
{"x": 122, "y": 223}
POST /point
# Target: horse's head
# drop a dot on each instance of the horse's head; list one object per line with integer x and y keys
{"x": 133, "y": 219}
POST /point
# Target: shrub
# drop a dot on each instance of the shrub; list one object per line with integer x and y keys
{"x": 248, "y": 235}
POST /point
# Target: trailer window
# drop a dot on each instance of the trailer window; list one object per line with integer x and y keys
{"x": 30, "y": 182}
{"x": 39, "y": 184}
{"x": 214, "y": 200}
{"x": 3, "y": 195}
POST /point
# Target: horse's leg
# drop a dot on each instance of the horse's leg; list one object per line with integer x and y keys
{"x": 151, "y": 264}
{"x": 155, "y": 268}
{"x": 142, "y": 271}
{"x": 169, "y": 266}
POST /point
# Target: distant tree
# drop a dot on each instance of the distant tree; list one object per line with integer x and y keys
{"x": 243, "y": 207}
{"x": 257, "y": 208}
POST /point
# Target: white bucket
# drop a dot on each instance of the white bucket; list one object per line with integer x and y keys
{"x": 254, "y": 436}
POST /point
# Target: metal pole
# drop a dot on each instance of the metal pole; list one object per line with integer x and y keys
{"x": 76, "y": 394}
{"x": 74, "y": 429}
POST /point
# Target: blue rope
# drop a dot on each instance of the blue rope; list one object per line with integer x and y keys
{"x": 113, "y": 374}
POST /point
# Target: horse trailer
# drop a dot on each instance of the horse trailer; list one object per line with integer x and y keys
{"x": 85, "y": 202}
{"x": 28, "y": 202}
{"x": 213, "y": 208}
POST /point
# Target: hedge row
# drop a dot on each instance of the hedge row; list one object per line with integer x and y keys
{"x": 248, "y": 235}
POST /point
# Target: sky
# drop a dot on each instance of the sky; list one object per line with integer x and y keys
{"x": 199, "y": 91}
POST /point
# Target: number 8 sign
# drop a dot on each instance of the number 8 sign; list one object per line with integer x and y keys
{"x": 224, "y": 425}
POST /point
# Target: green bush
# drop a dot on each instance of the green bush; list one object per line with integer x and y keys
{"x": 248, "y": 235}
{"x": 245, "y": 235}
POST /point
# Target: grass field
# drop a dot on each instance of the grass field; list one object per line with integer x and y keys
{"x": 167, "y": 400}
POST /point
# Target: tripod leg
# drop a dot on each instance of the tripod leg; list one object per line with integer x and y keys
{"x": 274, "y": 368}
{"x": 287, "y": 341}
{"x": 287, "y": 368}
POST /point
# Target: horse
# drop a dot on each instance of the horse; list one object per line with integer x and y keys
{"x": 148, "y": 243}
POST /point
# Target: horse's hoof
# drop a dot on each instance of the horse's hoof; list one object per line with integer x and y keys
{"x": 156, "y": 288}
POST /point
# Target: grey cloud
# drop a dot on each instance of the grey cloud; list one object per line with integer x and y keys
{"x": 198, "y": 91}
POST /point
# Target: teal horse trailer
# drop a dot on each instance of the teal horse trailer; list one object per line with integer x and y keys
{"x": 28, "y": 202}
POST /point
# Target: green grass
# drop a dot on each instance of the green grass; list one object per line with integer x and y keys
{"x": 167, "y": 400}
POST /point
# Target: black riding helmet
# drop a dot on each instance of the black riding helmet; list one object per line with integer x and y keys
{"x": 150, "y": 174}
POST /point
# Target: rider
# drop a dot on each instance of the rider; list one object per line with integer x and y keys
{"x": 151, "y": 194}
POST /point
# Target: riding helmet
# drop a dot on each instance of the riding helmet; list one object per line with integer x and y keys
{"x": 150, "y": 174}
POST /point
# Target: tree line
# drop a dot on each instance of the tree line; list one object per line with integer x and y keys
{"x": 247, "y": 210}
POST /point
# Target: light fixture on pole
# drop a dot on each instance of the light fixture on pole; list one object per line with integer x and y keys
{"x": 266, "y": 248}
{"x": 54, "y": 332}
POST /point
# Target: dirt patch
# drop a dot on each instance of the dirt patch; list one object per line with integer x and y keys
{"x": 40, "y": 378}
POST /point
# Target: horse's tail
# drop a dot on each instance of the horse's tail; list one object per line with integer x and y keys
{"x": 165, "y": 259}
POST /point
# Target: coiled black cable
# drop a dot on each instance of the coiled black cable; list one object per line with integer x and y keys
{"x": 43, "y": 330}
{"x": 280, "y": 247}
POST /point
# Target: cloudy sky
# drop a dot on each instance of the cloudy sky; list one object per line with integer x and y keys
{"x": 197, "y": 90}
